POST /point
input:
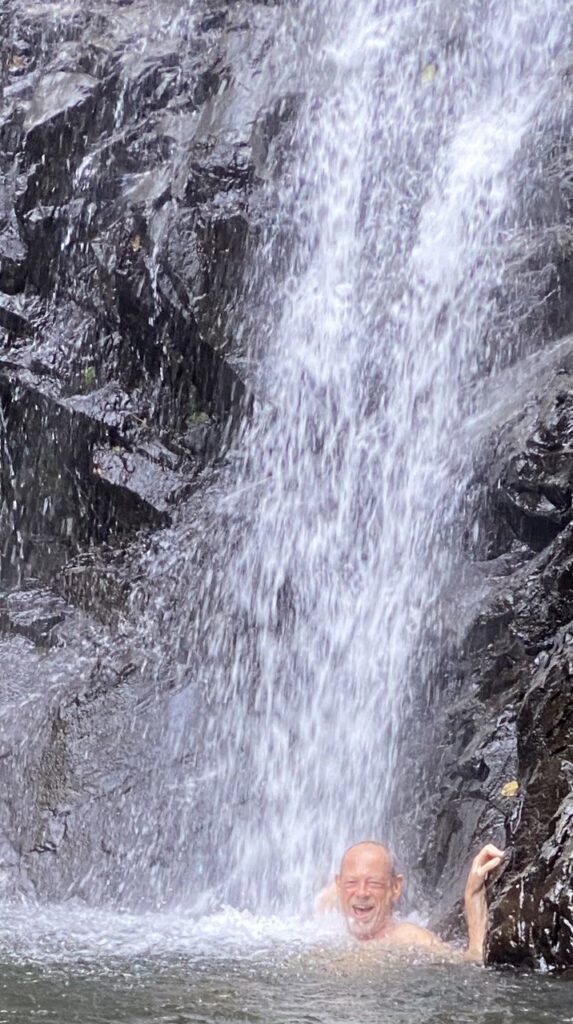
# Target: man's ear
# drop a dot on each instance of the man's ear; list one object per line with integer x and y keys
{"x": 397, "y": 886}
{"x": 337, "y": 882}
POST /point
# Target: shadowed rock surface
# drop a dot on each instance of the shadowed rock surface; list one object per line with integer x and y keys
{"x": 501, "y": 767}
{"x": 132, "y": 147}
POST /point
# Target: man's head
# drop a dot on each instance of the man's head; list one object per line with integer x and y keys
{"x": 368, "y": 888}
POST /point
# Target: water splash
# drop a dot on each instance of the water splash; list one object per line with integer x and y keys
{"x": 66, "y": 934}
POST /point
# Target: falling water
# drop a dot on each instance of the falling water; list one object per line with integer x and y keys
{"x": 381, "y": 294}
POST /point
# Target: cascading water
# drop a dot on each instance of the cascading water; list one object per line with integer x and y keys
{"x": 381, "y": 294}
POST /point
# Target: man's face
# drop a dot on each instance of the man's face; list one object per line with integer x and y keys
{"x": 367, "y": 890}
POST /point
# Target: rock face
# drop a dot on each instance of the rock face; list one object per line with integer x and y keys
{"x": 532, "y": 921}
{"x": 127, "y": 204}
{"x": 501, "y": 767}
{"x": 132, "y": 148}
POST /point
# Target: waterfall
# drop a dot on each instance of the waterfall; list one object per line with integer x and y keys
{"x": 383, "y": 291}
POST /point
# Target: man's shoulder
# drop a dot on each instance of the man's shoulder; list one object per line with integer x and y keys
{"x": 406, "y": 933}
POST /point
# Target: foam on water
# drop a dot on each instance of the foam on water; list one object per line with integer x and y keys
{"x": 68, "y": 933}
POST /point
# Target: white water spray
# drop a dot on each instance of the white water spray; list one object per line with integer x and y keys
{"x": 377, "y": 305}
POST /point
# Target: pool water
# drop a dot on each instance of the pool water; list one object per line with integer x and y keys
{"x": 72, "y": 965}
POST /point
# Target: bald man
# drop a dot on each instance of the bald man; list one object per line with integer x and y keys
{"x": 367, "y": 888}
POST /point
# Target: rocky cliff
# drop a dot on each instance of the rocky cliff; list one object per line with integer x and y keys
{"x": 501, "y": 767}
{"x": 133, "y": 148}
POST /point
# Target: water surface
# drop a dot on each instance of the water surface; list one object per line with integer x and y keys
{"x": 67, "y": 965}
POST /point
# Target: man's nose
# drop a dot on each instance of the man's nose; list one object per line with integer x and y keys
{"x": 362, "y": 888}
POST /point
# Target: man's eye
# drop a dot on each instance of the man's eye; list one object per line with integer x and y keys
{"x": 377, "y": 885}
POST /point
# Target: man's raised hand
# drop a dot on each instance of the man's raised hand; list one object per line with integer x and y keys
{"x": 487, "y": 860}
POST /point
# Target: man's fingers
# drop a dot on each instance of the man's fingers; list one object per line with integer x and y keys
{"x": 488, "y": 853}
{"x": 485, "y": 869}
{"x": 487, "y": 860}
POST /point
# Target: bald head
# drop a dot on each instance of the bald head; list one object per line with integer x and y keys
{"x": 368, "y": 888}
{"x": 376, "y": 853}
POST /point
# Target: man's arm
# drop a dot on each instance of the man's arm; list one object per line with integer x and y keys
{"x": 475, "y": 899}
{"x": 326, "y": 901}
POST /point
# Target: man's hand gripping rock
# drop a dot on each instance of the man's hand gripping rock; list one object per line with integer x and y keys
{"x": 475, "y": 899}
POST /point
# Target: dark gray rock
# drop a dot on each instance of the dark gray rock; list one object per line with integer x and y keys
{"x": 13, "y": 256}
{"x": 15, "y": 317}
{"x": 130, "y": 473}
{"x": 34, "y": 614}
{"x": 131, "y": 166}
{"x": 131, "y": 155}
{"x": 498, "y": 768}
{"x": 532, "y": 915}
{"x": 94, "y": 463}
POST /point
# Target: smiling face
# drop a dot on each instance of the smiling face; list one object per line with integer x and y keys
{"x": 367, "y": 890}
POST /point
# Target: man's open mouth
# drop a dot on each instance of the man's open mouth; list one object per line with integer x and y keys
{"x": 361, "y": 910}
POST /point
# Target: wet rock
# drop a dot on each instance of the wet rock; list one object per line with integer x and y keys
{"x": 14, "y": 316}
{"x": 534, "y": 491}
{"x": 94, "y": 790}
{"x": 56, "y": 99}
{"x": 138, "y": 135}
{"x": 124, "y": 487}
{"x": 131, "y": 157}
{"x": 500, "y": 764}
{"x": 133, "y": 474}
{"x": 201, "y": 440}
{"x": 532, "y": 918}
{"x": 103, "y": 579}
{"x": 221, "y": 167}
{"x": 109, "y": 405}
{"x": 132, "y": 153}
{"x": 32, "y": 679}
{"x": 33, "y": 614}
{"x": 13, "y": 255}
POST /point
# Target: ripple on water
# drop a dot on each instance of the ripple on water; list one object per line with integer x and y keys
{"x": 73, "y": 965}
